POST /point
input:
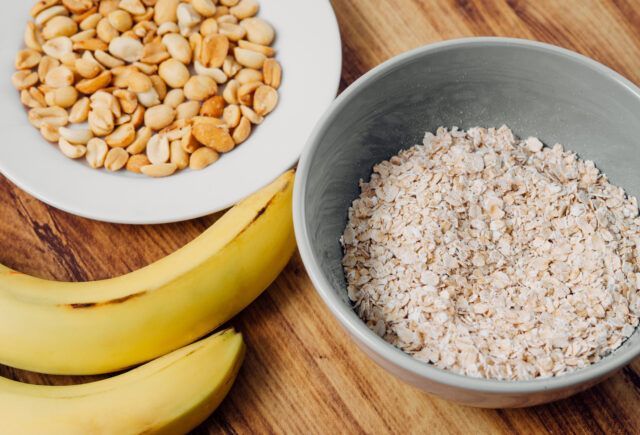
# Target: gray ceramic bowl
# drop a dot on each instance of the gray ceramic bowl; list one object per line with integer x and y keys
{"x": 536, "y": 89}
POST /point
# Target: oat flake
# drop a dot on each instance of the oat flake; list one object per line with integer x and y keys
{"x": 494, "y": 257}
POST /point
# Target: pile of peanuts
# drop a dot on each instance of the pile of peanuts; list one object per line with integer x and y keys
{"x": 153, "y": 86}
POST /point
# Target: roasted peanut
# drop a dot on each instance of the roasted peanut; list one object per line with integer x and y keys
{"x": 266, "y": 50}
{"x": 199, "y": 88}
{"x": 78, "y": 6}
{"x": 265, "y": 99}
{"x": 258, "y": 31}
{"x": 50, "y": 133}
{"x": 215, "y": 73}
{"x": 203, "y": 157}
{"x": 158, "y": 149}
{"x": 134, "y": 7}
{"x": 178, "y": 47}
{"x": 57, "y": 47}
{"x": 101, "y": 121}
{"x": 245, "y": 9}
{"x": 167, "y": 28}
{"x": 91, "y": 22}
{"x": 116, "y": 159}
{"x": 231, "y": 67}
{"x": 41, "y": 6}
{"x": 174, "y": 98}
{"x": 146, "y": 68}
{"x": 84, "y": 36}
{"x": 248, "y": 75}
{"x": 154, "y": 53}
{"x": 231, "y": 115}
{"x": 120, "y": 20}
{"x": 214, "y": 50}
{"x": 126, "y": 48}
{"x": 97, "y": 150}
{"x": 63, "y": 97}
{"x": 178, "y": 155}
{"x": 251, "y": 115}
{"x": 108, "y": 6}
{"x": 140, "y": 143}
{"x": 227, "y": 19}
{"x": 166, "y": 11}
{"x": 159, "y": 117}
{"x": 136, "y": 162}
{"x": 272, "y": 72}
{"x": 59, "y": 77}
{"x": 24, "y": 79}
{"x": 189, "y": 143}
{"x": 80, "y": 111}
{"x": 174, "y": 73}
{"x": 213, "y": 107}
{"x": 127, "y": 99}
{"x": 122, "y": 137}
{"x": 75, "y": 136}
{"x": 55, "y": 116}
{"x": 137, "y": 117}
{"x": 27, "y": 59}
{"x": 242, "y": 131}
{"x": 160, "y": 86}
{"x": 138, "y": 82}
{"x": 205, "y": 8}
{"x": 245, "y": 92}
{"x": 105, "y": 31}
{"x": 232, "y": 31}
{"x": 188, "y": 18}
{"x": 249, "y": 58}
{"x": 208, "y": 27}
{"x": 32, "y": 37}
{"x": 59, "y": 26}
{"x": 50, "y": 13}
{"x": 29, "y": 100}
{"x": 107, "y": 60}
{"x": 46, "y": 64}
{"x": 92, "y": 44}
{"x": 70, "y": 150}
{"x": 230, "y": 93}
{"x": 188, "y": 110}
{"x": 89, "y": 86}
{"x": 159, "y": 170}
{"x": 149, "y": 98}
{"x": 210, "y": 133}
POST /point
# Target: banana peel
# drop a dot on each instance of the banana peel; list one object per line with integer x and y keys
{"x": 170, "y": 395}
{"x": 106, "y": 326}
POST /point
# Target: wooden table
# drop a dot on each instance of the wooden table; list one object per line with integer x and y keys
{"x": 302, "y": 373}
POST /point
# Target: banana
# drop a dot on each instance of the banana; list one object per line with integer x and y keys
{"x": 172, "y": 394}
{"x": 105, "y": 326}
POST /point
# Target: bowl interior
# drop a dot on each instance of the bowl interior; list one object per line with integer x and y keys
{"x": 535, "y": 89}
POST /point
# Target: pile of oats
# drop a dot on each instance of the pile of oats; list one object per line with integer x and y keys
{"x": 494, "y": 257}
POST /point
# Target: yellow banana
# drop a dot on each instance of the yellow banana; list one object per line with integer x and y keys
{"x": 105, "y": 326}
{"x": 172, "y": 394}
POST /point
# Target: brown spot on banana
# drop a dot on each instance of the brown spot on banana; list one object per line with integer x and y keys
{"x": 105, "y": 303}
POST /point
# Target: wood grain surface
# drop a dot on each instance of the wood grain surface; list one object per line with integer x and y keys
{"x": 302, "y": 373}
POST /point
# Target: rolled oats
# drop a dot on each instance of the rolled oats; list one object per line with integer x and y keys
{"x": 494, "y": 257}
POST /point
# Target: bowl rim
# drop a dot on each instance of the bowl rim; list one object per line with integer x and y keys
{"x": 347, "y": 317}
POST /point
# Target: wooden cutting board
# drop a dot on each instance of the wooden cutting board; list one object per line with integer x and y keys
{"x": 302, "y": 373}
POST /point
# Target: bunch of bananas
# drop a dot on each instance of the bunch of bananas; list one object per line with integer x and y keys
{"x": 106, "y": 326}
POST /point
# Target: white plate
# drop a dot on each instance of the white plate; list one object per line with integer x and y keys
{"x": 309, "y": 49}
